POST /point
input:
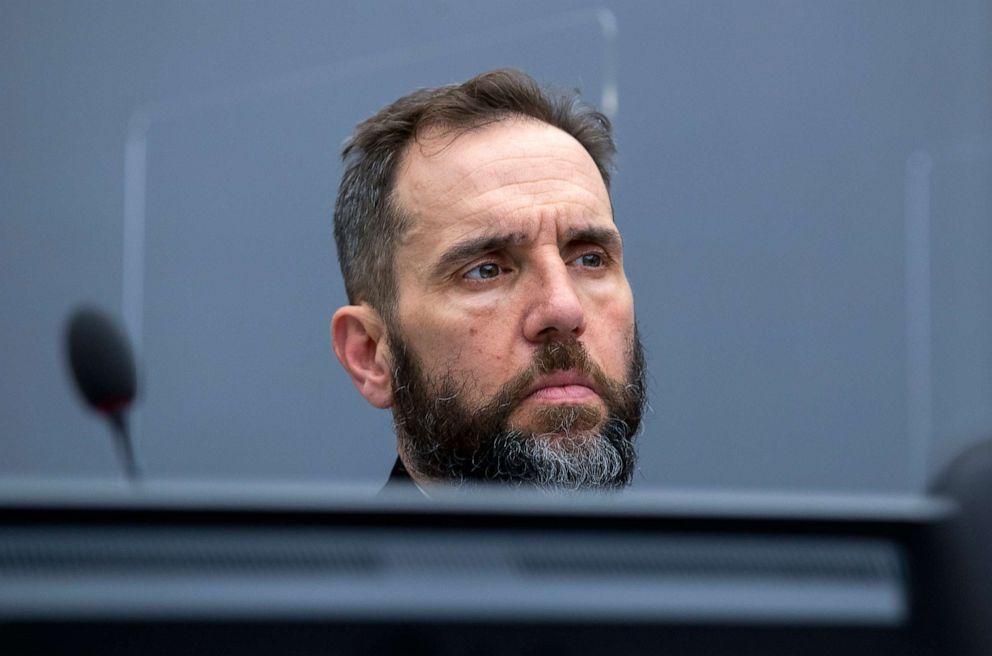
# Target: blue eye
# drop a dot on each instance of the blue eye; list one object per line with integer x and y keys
{"x": 592, "y": 260}
{"x": 484, "y": 271}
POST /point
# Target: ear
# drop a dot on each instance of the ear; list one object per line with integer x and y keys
{"x": 358, "y": 336}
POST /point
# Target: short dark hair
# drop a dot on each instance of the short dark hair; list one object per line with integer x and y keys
{"x": 368, "y": 224}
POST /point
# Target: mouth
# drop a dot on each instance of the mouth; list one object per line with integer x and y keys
{"x": 565, "y": 387}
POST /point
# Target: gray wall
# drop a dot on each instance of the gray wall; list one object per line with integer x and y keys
{"x": 804, "y": 189}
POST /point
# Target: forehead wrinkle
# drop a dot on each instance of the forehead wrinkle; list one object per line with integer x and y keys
{"x": 560, "y": 190}
{"x": 455, "y": 151}
{"x": 484, "y": 214}
{"x": 495, "y": 174}
{"x": 472, "y": 166}
{"x": 554, "y": 184}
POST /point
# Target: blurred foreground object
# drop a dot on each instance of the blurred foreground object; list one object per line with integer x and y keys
{"x": 102, "y": 365}
{"x": 303, "y": 570}
{"x": 967, "y": 545}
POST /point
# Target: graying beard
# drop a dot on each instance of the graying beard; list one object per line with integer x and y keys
{"x": 560, "y": 459}
{"x": 569, "y": 462}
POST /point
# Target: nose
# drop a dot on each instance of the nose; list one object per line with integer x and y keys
{"x": 555, "y": 308}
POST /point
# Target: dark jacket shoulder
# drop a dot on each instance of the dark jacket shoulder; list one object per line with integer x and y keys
{"x": 399, "y": 482}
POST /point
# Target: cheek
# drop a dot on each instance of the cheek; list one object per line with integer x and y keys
{"x": 484, "y": 357}
{"x": 469, "y": 346}
{"x": 466, "y": 330}
{"x": 614, "y": 331}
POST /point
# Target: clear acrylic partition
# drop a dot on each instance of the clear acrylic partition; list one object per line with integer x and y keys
{"x": 953, "y": 183}
{"x": 813, "y": 297}
{"x": 824, "y": 326}
{"x": 231, "y": 275}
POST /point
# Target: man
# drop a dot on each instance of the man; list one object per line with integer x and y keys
{"x": 489, "y": 308}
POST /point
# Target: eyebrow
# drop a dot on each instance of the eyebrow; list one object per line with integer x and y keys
{"x": 608, "y": 238}
{"x": 477, "y": 246}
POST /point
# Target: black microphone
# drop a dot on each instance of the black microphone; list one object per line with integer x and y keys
{"x": 102, "y": 365}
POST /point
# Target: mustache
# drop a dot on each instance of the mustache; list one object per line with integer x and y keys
{"x": 552, "y": 355}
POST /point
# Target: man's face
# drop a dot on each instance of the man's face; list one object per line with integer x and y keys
{"x": 512, "y": 296}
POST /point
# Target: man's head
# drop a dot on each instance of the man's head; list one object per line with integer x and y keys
{"x": 489, "y": 306}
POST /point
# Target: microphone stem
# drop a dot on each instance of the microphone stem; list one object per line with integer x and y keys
{"x": 122, "y": 445}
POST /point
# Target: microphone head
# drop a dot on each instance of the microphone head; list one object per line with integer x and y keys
{"x": 101, "y": 361}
